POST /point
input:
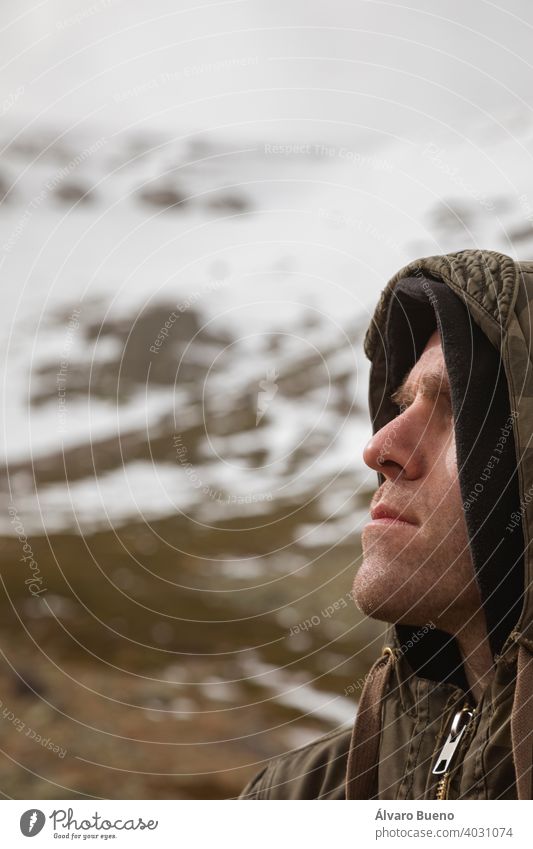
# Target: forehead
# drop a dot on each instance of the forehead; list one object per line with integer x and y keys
{"x": 432, "y": 357}
{"x": 429, "y": 372}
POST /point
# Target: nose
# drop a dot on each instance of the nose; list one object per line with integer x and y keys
{"x": 397, "y": 450}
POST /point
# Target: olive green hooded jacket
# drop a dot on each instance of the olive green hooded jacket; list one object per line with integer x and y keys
{"x": 417, "y": 734}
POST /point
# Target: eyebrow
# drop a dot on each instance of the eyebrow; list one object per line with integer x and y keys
{"x": 430, "y": 383}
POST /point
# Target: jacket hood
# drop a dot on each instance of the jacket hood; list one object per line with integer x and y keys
{"x": 480, "y": 302}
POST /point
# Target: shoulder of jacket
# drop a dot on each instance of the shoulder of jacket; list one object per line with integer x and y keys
{"x": 314, "y": 771}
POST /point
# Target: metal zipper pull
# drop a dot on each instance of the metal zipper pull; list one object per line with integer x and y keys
{"x": 459, "y": 724}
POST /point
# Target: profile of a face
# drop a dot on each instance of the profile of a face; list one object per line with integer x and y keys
{"x": 418, "y": 570}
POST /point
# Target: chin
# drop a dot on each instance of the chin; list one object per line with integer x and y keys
{"x": 369, "y": 597}
{"x": 386, "y": 597}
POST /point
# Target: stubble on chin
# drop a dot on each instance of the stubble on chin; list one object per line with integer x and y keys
{"x": 369, "y": 582}
{"x": 385, "y": 587}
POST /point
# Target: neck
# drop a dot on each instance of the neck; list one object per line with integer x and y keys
{"x": 477, "y": 656}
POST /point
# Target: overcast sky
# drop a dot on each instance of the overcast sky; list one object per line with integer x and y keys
{"x": 279, "y": 68}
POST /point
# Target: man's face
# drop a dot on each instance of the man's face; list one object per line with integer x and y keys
{"x": 418, "y": 572}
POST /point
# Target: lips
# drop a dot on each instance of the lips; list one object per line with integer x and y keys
{"x": 383, "y": 511}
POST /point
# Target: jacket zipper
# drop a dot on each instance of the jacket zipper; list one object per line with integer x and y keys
{"x": 460, "y": 722}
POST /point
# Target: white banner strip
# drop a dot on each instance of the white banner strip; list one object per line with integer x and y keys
{"x": 267, "y": 825}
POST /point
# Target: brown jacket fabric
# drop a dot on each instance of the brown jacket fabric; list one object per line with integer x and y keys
{"x": 417, "y": 735}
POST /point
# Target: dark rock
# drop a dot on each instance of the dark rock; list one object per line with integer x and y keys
{"x": 165, "y": 197}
